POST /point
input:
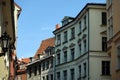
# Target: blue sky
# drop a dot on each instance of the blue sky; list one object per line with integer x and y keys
{"x": 38, "y": 19}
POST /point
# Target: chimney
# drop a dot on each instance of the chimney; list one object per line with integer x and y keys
{"x": 30, "y": 59}
{"x": 57, "y": 26}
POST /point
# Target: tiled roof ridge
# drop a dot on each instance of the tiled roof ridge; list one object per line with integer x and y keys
{"x": 44, "y": 44}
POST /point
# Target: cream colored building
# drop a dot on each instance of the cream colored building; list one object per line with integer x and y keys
{"x": 81, "y": 44}
{"x": 113, "y": 29}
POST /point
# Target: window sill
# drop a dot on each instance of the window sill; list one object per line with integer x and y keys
{"x": 79, "y": 33}
{"x": 84, "y": 29}
{"x": 58, "y": 45}
{"x": 72, "y": 38}
{"x": 64, "y": 42}
{"x": 84, "y": 76}
{"x": 103, "y": 25}
{"x": 105, "y": 74}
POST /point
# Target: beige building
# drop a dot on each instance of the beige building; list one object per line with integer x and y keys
{"x": 113, "y": 28}
{"x": 81, "y": 44}
{"x": 7, "y": 29}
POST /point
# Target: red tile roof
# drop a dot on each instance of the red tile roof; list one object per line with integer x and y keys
{"x": 26, "y": 60}
{"x": 45, "y": 43}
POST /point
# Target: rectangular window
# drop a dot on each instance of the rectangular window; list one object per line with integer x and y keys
{"x": 51, "y": 76}
{"x": 72, "y": 33}
{"x": 35, "y": 70}
{"x": 80, "y": 71}
{"x": 58, "y": 58}
{"x": 65, "y": 56}
{"x": 80, "y": 28}
{"x": 58, "y": 75}
{"x": 104, "y": 18}
{"x": 43, "y": 66}
{"x": 43, "y": 78}
{"x": 72, "y": 74}
{"x": 118, "y": 57}
{"x": 80, "y": 49}
{"x": 84, "y": 45}
{"x": 65, "y": 36}
{"x": 51, "y": 63}
{"x": 47, "y": 65}
{"x": 58, "y": 39}
{"x": 104, "y": 43}
{"x": 65, "y": 75}
{"x": 47, "y": 77}
{"x": 85, "y": 69}
{"x": 85, "y": 22}
{"x": 30, "y": 72}
{"x": 39, "y": 69}
{"x": 105, "y": 67}
{"x": 72, "y": 54}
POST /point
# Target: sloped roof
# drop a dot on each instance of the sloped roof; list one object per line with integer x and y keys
{"x": 26, "y": 60}
{"x": 44, "y": 44}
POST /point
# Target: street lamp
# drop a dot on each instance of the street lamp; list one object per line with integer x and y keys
{"x": 5, "y": 40}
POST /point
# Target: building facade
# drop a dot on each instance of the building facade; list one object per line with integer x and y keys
{"x": 113, "y": 30}
{"x": 41, "y": 66}
{"x": 81, "y": 44}
{"x": 7, "y": 29}
{"x": 21, "y": 69}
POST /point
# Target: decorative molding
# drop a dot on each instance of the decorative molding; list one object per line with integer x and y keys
{"x": 64, "y": 48}
{"x": 84, "y": 35}
{"x": 72, "y": 45}
{"x": 58, "y": 50}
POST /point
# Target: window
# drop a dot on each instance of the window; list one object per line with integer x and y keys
{"x": 110, "y": 28}
{"x": 84, "y": 69}
{"x": 80, "y": 49}
{"x": 65, "y": 56}
{"x": 84, "y": 45}
{"x": 58, "y": 40}
{"x": 72, "y": 74}
{"x": 51, "y": 77}
{"x": 30, "y": 72}
{"x": 105, "y": 67}
{"x": 104, "y": 43}
{"x": 104, "y": 18}
{"x": 72, "y": 54}
{"x": 47, "y": 77}
{"x": 72, "y": 33}
{"x": 80, "y": 28}
{"x": 80, "y": 71}
{"x": 35, "y": 70}
{"x": 58, "y": 58}
{"x": 58, "y": 75}
{"x": 65, "y": 36}
{"x": 85, "y": 22}
{"x": 47, "y": 64}
{"x": 43, "y": 66}
{"x": 51, "y": 63}
{"x": 43, "y": 78}
{"x": 39, "y": 69}
{"x": 65, "y": 75}
{"x": 118, "y": 57}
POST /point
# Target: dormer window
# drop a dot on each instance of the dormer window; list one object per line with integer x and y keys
{"x": 66, "y": 20}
